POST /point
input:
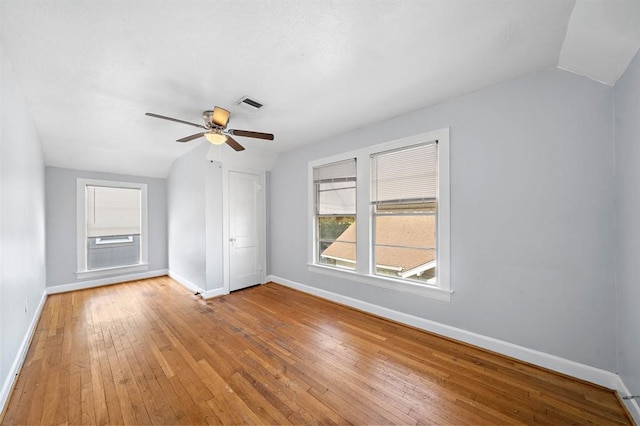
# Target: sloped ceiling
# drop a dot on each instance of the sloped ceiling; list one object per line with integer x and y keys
{"x": 602, "y": 38}
{"x": 91, "y": 69}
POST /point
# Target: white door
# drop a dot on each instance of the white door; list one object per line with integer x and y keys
{"x": 245, "y": 230}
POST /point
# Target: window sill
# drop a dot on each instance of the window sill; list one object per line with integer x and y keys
{"x": 94, "y": 273}
{"x": 390, "y": 283}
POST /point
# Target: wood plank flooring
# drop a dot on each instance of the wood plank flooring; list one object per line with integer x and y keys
{"x": 149, "y": 352}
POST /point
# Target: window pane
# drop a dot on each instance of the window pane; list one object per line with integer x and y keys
{"x": 106, "y": 252}
{"x": 335, "y": 227}
{"x": 335, "y": 213}
{"x": 406, "y": 231}
{"x": 113, "y": 221}
{"x": 337, "y": 197}
{"x": 404, "y": 190}
{"x": 337, "y": 253}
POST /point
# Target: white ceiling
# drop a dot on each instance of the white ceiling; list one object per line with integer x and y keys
{"x": 89, "y": 70}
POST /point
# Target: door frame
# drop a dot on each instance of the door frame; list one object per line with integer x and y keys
{"x": 262, "y": 223}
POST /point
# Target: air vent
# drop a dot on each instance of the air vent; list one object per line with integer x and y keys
{"x": 249, "y": 104}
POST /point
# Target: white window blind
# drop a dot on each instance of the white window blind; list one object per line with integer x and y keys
{"x": 112, "y": 211}
{"x": 336, "y": 188}
{"x": 406, "y": 175}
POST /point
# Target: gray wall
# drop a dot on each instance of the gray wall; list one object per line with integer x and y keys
{"x": 531, "y": 231}
{"x": 195, "y": 219}
{"x": 22, "y": 222}
{"x": 62, "y": 226}
{"x": 627, "y": 130}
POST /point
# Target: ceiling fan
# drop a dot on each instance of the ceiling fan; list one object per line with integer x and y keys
{"x": 215, "y": 129}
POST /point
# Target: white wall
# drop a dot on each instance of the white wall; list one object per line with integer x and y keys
{"x": 195, "y": 219}
{"x": 22, "y": 224}
{"x": 214, "y": 224}
{"x": 267, "y": 220}
{"x": 627, "y": 130}
{"x": 531, "y": 226}
{"x": 62, "y": 226}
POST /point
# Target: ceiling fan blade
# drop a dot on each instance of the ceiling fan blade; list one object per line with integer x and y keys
{"x": 233, "y": 144}
{"x": 248, "y": 134}
{"x": 220, "y": 116}
{"x": 150, "y": 114}
{"x": 192, "y": 137}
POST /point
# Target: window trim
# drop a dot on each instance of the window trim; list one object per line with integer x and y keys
{"x": 365, "y": 272}
{"x": 81, "y": 229}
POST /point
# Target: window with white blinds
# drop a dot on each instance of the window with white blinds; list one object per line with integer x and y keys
{"x": 335, "y": 208}
{"x": 404, "y": 190}
{"x": 336, "y": 188}
{"x": 111, "y": 227}
{"x": 401, "y": 191}
{"x": 112, "y": 211}
{"x": 406, "y": 175}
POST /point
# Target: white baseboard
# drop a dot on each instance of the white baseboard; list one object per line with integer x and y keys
{"x": 631, "y": 404}
{"x": 581, "y": 371}
{"x": 210, "y": 294}
{"x": 82, "y": 285}
{"x": 205, "y": 294}
{"x": 21, "y": 355}
{"x": 185, "y": 283}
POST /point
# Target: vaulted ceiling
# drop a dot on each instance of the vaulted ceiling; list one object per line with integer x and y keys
{"x": 89, "y": 70}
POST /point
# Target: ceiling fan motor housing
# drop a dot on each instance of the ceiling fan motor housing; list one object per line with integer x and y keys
{"x": 207, "y": 116}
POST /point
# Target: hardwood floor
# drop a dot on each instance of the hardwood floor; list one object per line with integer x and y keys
{"x": 149, "y": 352}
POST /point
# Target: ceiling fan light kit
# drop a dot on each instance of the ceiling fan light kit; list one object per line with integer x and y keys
{"x": 215, "y": 138}
{"x": 215, "y": 126}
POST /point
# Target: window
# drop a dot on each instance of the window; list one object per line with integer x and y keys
{"x": 335, "y": 214}
{"x": 404, "y": 185}
{"x": 402, "y": 199}
{"x": 112, "y": 219}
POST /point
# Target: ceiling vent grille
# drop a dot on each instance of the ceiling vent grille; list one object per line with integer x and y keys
{"x": 249, "y": 103}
